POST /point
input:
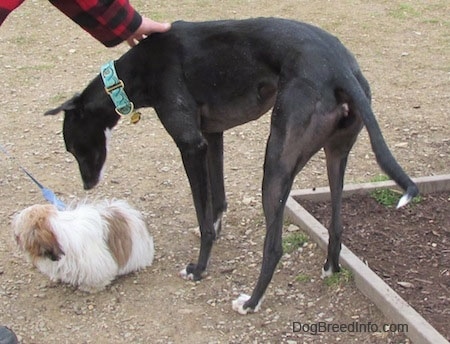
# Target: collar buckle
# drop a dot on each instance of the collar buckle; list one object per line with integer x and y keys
{"x": 115, "y": 88}
{"x": 110, "y": 89}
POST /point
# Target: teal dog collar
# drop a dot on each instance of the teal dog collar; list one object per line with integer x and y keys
{"x": 115, "y": 88}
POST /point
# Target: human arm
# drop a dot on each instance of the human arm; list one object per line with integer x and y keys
{"x": 110, "y": 21}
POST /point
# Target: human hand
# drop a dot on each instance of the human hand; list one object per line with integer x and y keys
{"x": 147, "y": 27}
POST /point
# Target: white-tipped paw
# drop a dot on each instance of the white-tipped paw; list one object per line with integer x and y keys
{"x": 184, "y": 274}
{"x": 326, "y": 273}
{"x": 190, "y": 276}
{"x": 238, "y": 305}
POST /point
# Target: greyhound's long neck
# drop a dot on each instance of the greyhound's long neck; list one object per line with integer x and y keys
{"x": 141, "y": 67}
{"x": 136, "y": 70}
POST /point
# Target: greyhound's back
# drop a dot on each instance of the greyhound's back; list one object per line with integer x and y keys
{"x": 274, "y": 34}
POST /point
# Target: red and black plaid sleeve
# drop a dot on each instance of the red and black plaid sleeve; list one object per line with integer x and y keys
{"x": 6, "y": 7}
{"x": 109, "y": 21}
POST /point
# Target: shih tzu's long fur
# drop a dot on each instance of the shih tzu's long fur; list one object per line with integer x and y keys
{"x": 87, "y": 245}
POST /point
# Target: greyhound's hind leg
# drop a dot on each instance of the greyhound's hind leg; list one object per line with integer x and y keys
{"x": 337, "y": 150}
{"x": 336, "y": 170}
{"x": 298, "y": 131}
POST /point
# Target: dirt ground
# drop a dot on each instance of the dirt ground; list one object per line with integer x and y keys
{"x": 409, "y": 248}
{"x": 403, "y": 49}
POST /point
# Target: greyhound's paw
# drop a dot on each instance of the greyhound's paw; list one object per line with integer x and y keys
{"x": 188, "y": 273}
{"x": 326, "y": 273}
{"x": 238, "y": 305}
{"x": 185, "y": 275}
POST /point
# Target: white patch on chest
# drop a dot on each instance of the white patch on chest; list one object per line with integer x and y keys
{"x": 108, "y": 134}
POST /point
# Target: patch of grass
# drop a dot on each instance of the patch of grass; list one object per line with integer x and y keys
{"x": 404, "y": 11}
{"x": 432, "y": 21}
{"x": 294, "y": 241}
{"x": 302, "y": 278}
{"x": 379, "y": 178}
{"x": 386, "y": 197}
{"x": 340, "y": 278}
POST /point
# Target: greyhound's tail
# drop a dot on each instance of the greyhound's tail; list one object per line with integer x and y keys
{"x": 361, "y": 106}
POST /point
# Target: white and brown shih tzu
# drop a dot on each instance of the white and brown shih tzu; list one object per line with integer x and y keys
{"x": 87, "y": 245}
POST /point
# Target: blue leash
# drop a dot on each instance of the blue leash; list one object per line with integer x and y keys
{"x": 48, "y": 194}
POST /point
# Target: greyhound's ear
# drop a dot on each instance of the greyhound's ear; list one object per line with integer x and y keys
{"x": 67, "y": 105}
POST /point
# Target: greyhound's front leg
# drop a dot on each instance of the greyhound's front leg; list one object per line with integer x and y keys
{"x": 215, "y": 170}
{"x": 180, "y": 118}
{"x": 194, "y": 155}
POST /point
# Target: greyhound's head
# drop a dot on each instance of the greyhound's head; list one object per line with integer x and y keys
{"x": 86, "y": 131}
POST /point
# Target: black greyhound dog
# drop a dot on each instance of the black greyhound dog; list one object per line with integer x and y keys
{"x": 204, "y": 78}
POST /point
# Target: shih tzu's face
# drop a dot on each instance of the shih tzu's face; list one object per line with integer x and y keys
{"x": 34, "y": 234}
